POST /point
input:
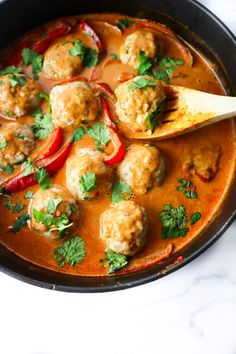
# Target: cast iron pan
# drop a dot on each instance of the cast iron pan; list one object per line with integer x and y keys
{"x": 195, "y": 24}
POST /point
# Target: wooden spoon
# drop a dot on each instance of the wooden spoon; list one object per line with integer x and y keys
{"x": 185, "y": 111}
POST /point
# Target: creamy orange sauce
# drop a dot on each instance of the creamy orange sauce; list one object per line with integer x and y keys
{"x": 39, "y": 250}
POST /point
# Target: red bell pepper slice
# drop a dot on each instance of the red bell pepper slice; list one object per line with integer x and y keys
{"x": 119, "y": 149}
{"x": 51, "y": 165}
{"x": 105, "y": 89}
{"x": 55, "y": 141}
{"x": 87, "y": 29}
{"x": 106, "y": 113}
{"x": 42, "y": 45}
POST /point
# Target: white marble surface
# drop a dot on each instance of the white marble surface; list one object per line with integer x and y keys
{"x": 192, "y": 311}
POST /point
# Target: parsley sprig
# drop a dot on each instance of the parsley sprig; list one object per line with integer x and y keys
{"x": 88, "y": 182}
{"x": 184, "y": 188}
{"x": 88, "y": 56}
{"x": 14, "y": 208}
{"x": 61, "y": 223}
{"x": 72, "y": 251}
{"x": 114, "y": 261}
{"x": 30, "y": 57}
{"x": 141, "y": 83}
{"x": 43, "y": 178}
{"x": 20, "y": 222}
{"x": 174, "y": 221}
{"x": 42, "y": 125}
{"x": 120, "y": 191}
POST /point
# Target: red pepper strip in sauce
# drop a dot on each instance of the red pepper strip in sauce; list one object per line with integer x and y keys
{"x": 55, "y": 141}
{"x": 106, "y": 113}
{"x": 51, "y": 165}
{"x": 105, "y": 89}
{"x": 119, "y": 149}
{"x": 42, "y": 45}
{"x": 90, "y": 32}
{"x": 202, "y": 178}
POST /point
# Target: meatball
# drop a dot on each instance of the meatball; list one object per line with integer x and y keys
{"x": 19, "y": 95}
{"x": 59, "y": 64}
{"x": 87, "y": 160}
{"x": 123, "y": 228}
{"x": 142, "y": 167}
{"x": 138, "y": 107}
{"x": 17, "y": 142}
{"x": 134, "y": 43}
{"x": 64, "y": 202}
{"x": 73, "y": 103}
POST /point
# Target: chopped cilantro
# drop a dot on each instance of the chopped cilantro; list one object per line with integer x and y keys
{"x": 72, "y": 252}
{"x": 173, "y": 221}
{"x": 115, "y": 56}
{"x": 144, "y": 64}
{"x": 43, "y": 124}
{"x": 28, "y": 195}
{"x": 3, "y": 144}
{"x": 30, "y": 57}
{"x": 10, "y": 70}
{"x": 88, "y": 56}
{"x": 114, "y": 261}
{"x": 8, "y": 169}
{"x": 16, "y": 80}
{"x": 20, "y": 136}
{"x": 152, "y": 119}
{"x": 100, "y": 133}
{"x": 20, "y": 222}
{"x": 29, "y": 167}
{"x": 78, "y": 134}
{"x": 47, "y": 98}
{"x": 195, "y": 217}
{"x": 88, "y": 182}
{"x": 161, "y": 74}
{"x": 14, "y": 208}
{"x": 183, "y": 188}
{"x": 61, "y": 223}
{"x": 125, "y": 22}
{"x": 53, "y": 204}
{"x": 169, "y": 62}
{"x": 10, "y": 114}
{"x": 43, "y": 178}
{"x": 73, "y": 207}
{"x": 141, "y": 83}
{"x": 2, "y": 83}
{"x": 120, "y": 191}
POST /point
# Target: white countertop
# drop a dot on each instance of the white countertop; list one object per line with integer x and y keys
{"x": 192, "y": 311}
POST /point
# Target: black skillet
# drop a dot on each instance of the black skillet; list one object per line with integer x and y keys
{"x": 196, "y": 25}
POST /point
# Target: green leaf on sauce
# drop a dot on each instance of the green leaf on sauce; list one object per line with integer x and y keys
{"x": 184, "y": 188}
{"x": 28, "y": 195}
{"x": 42, "y": 125}
{"x": 3, "y": 144}
{"x": 20, "y": 222}
{"x": 120, "y": 191}
{"x": 16, "y": 80}
{"x": 29, "y": 167}
{"x": 195, "y": 217}
{"x": 114, "y": 261}
{"x": 125, "y": 22}
{"x": 144, "y": 64}
{"x": 115, "y": 56}
{"x": 43, "y": 178}
{"x": 141, "y": 83}
{"x": 173, "y": 221}
{"x": 161, "y": 74}
{"x": 61, "y": 223}
{"x": 78, "y": 134}
{"x": 8, "y": 169}
{"x": 30, "y": 57}
{"x": 88, "y": 56}
{"x": 14, "y": 208}
{"x": 10, "y": 70}
{"x": 53, "y": 204}
{"x": 88, "y": 182}
{"x": 100, "y": 133}
{"x": 72, "y": 251}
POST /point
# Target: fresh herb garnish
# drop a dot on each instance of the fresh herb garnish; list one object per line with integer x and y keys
{"x": 144, "y": 63}
{"x": 10, "y": 70}
{"x": 141, "y": 83}
{"x": 43, "y": 124}
{"x": 16, "y": 80}
{"x": 61, "y": 223}
{"x": 28, "y": 195}
{"x": 166, "y": 68}
{"x": 152, "y": 119}
{"x": 2, "y": 83}
{"x": 47, "y": 98}
{"x": 78, "y": 134}
{"x": 72, "y": 252}
{"x": 87, "y": 182}
{"x": 114, "y": 261}
{"x": 10, "y": 114}
{"x": 14, "y": 208}
{"x": 8, "y": 169}
{"x": 173, "y": 221}
{"x": 184, "y": 188}
{"x": 73, "y": 207}
{"x": 53, "y": 204}
{"x": 195, "y": 217}
{"x": 120, "y": 191}
{"x": 43, "y": 178}
{"x": 3, "y": 144}
{"x": 161, "y": 74}
{"x": 115, "y": 56}
{"x": 29, "y": 167}
{"x": 30, "y": 57}
{"x": 100, "y": 133}
{"x": 20, "y": 222}
{"x": 125, "y": 22}
{"x": 20, "y": 136}
{"x": 88, "y": 56}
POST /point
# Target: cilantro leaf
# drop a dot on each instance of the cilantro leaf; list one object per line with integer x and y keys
{"x": 10, "y": 206}
{"x": 29, "y": 167}
{"x": 114, "y": 261}
{"x": 195, "y": 217}
{"x": 78, "y": 134}
{"x": 28, "y": 195}
{"x": 43, "y": 124}
{"x": 169, "y": 62}
{"x": 144, "y": 63}
{"x": 152, "y": 119}
{"x": 61, "y": 223}
{"x": 141, "y": 83}
{"x": 88, "y": 182}
{"x": 88, "y": 56}
{"x": 10, "y": 70}
{"x": 161, "y": 74}
{"x": 20, "y": 222}
{"x": 100, "y": 133}
{"x": 53, "y": 204}
{"x": 20, "y": 136}
{"x": 47, "y": 98}
{"x": 125, "y": 22}
{"x": 115, "y": 56}
{"x": 120, "y": 191}
{"x": 183, "y": 188}
{"x": 16, "y": 80}
{"x": 43, "y": 178}
{"x": 173, "y": 221}
{"x": 73, "y": 207}
{"x": 73, "y": 252}
{"x": 78, "y": 49}
{"x": 30, "y": 57}
{"x": 2, "y": 83}
{"x": 3, "y": 144}
{"x": 8, "y": 169}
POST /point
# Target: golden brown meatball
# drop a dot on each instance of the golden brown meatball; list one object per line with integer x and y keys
{"x": 142, "y": 167}
{"x": 123, "y": 228}
{"x": 73, "y": 103}
{"x": 18, "y": 99}
{"x": 17, "y": 142}
{"x": 87, "y": 160}
{"x": 58, "y": 63}
{"x": 42, "y": 202}
{"x": 135, "y": 107}
{"x": 134, "y": 43}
